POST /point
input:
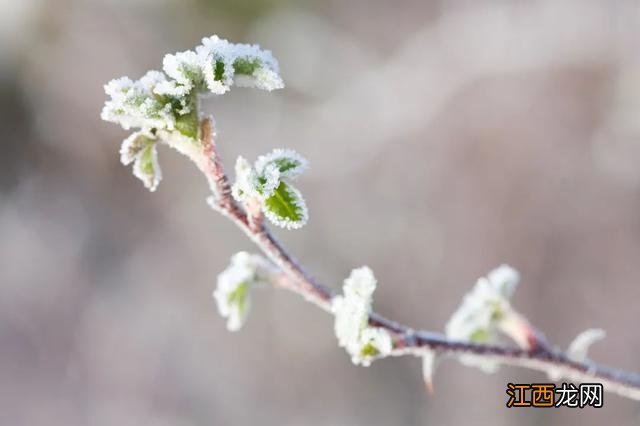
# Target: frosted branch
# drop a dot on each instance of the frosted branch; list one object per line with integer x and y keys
{"x": 164, "y": 109}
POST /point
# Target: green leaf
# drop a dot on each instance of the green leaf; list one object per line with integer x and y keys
{"x": 369, "y": 350}
{"x": 187, "y": 124}
{"x": 146, "y": 161}
{"x": 246, "y": 66}
{"x": 286, "y": 207}
{"x": 289, "y": 163}
{"x": 480, "y": 335}
{"x": 286, "y": 164}
{"x": 147, "y": 169}
{"x": 238, "y": 297}
{"x": 134, "y": 145}
{"x": 262, "y": 182}
{"x": 218, "y": 72}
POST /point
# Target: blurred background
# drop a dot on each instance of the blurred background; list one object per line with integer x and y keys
{"x": 445, "y": 138}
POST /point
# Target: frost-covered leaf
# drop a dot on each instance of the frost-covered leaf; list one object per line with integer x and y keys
{"x": 218, "y": 74}
{"x": 580, "y": 346}
{"x": 167, "y": 102}
{"x": 267, "y": 183}
{"x": 134, "y": 105}
{"x": 352, "y": 308}
{"x": 146, "y": 167}
{"x": 239, "y": 303}
{"x": 486, "y": 312}
{"x": 247, "y": 181}
{"x": 484, "y": 306}
{"x": 262, "y": 78}
{"x": 187, "y": 124}
{"x": 504, "y": 279}
{"x": 185, "y": 68}
{"x": 232, "y": 294}
{"x": 134, "y": 145}
{"x": 374, "y": 343}
{"x": 251, "y": 184}
{"x": 245, "y": 65}
{"x": 286, "y": 207}
{"x": 289, "y": 163}
{"x": 351, "y": 312}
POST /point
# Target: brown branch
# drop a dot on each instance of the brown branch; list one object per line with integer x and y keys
{"x": 541, "y": 357}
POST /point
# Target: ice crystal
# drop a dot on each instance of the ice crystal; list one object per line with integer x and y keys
{"x": 247, "y": 182}
{"x": 289, "y": 163}
{"x": 133, "y": 104}
{"x": 251, "y": 66}
{"x": 133, "y": 146}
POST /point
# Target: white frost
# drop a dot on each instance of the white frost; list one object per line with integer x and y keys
{"x": 272, "y": 172}
{"x": 428, "y": 368}
{"x": 374, "y": 342}
{"x": 294, "y": 162}
{"x": 271, "y": 176}
{"x": 483, "y": 311}
{"x": 159, "y": 102}
{"x": 351, "y": 312}
{"x": 133, "y": 145}
{"x": 132, "y": 104}
{"x": 246, "y": 184}
{"x": 232, "y": 294}
{"x": 486, "y": 303}
{"x": 218, "y": 54}
{"x": 580, "y": 346}
{"x": 185, "y": 68}
{"x": 147, "y": 169}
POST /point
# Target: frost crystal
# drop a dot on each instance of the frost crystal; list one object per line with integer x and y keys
{"x": 133, "y": 104}
{"x": 165, "y": 105}
{"x": 216, "y": 65}
{"x": 234, "y": 283}
{"x": 248, "y": 64}
{"x": 185, "y": 70}
{"x": 147, "y": 169}
{"x": 268, "y": 182}
{"x": 247, "y": 183}
{"x": 289, "y": 163}
{"x": 352, "y": 311}
{"x": 140, "y": 149}
{"x": 133, "y": 146}
{"x": 486, "y": 311}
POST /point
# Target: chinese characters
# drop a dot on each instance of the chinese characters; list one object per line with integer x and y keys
{"x": 548, "y": 395}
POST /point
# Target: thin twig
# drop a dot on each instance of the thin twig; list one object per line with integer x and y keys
{"x": 541, "y": 357}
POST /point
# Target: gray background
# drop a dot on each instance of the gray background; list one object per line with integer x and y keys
{"x": 444, "y": 137}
